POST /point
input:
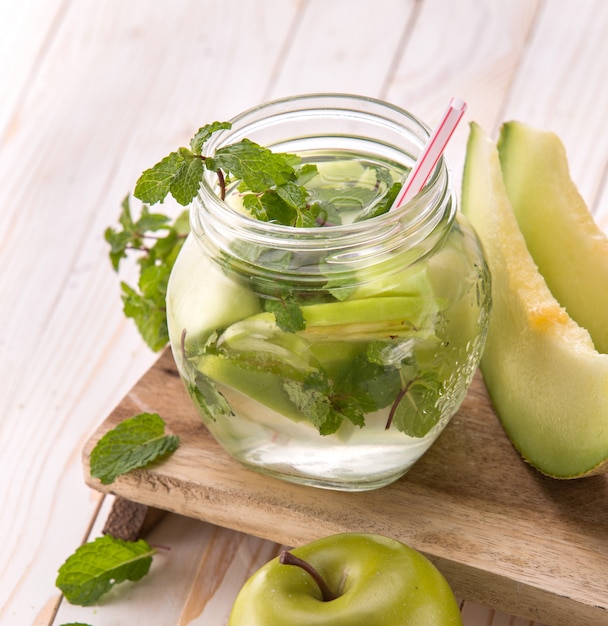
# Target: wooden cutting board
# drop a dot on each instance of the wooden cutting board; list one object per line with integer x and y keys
{"x": 501, "y": 533}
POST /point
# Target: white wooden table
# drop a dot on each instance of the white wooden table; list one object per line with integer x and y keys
{"x": 91, "y": 93}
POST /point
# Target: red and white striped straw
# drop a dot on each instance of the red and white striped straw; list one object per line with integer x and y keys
{"x": 434, "y": 148}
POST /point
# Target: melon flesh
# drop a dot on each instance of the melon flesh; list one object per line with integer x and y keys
{"x": 567, "y": 245}
{"x": 546, "y": 380}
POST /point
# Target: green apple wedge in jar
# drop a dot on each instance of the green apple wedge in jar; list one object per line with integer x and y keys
{"x": 331, "y": 354}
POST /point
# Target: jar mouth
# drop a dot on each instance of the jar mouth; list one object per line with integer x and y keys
{"x": 332, "y": 119}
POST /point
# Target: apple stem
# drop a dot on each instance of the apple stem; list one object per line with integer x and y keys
{"x": 287, "y": 558}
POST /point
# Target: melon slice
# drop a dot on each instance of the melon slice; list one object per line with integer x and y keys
{"x": 547, "y": 382}
{"x": 567, "y": 245}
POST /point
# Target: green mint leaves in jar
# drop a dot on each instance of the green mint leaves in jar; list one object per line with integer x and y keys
{"x": 272, "y": 187}
{"x": 324, "y": 339}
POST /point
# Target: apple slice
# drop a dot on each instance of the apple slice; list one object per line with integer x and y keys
{"x": 569, "y": 248}
{"x": 547, "y": 382}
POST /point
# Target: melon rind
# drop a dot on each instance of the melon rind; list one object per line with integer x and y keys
{"x": 548, "y": 384}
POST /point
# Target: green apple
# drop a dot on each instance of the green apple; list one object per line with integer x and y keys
{"x": 347, "y": 579}
{"x": 547, "y": 382}
{"x": 187, "y": 302}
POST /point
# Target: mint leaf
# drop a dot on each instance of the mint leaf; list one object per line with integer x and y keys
{"x": 382, "y": 206}
{"x": 149, "y": 222}
{"x": 187, "y": 179}
{"x": 259, "y": 168}
{"x": 156, "y": 242}
{"x": 204, "y": 133}
{"x": 153, "y": 278}
{"x": 149, "y": 315}
{"x": 375, "y": 386}
{"x": 325, "y": 405}
{"x": 351, "y": 408}
{"x": 305, "y": 173}
{"x": 255, "y": 206}
{"x": 97, "y": 566}
{"x": 270, "y": 207}
{"x": 154, "y": 185}
{"x": 121, "y": 240}
{"x": 118, "y": 245}
{"x": 286, "y": 204}
{"x": 206, "y": 396}
{"x": 293, "y": 195}
{"x": 342, "y": 286}
{"x": 180, "y": 173}
{"x": 133, "y": 444}
{"x": 414, "y": 412}
{"x": 287, "y": 313}
{"x": 315, "y": 215}
{"x": 315, "y": 404}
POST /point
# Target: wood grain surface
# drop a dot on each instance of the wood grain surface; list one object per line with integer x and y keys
{"x": 500, "y": 532}
{"x": 92, "y": 93}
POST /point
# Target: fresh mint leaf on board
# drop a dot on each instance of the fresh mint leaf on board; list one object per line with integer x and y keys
{"x": 132, "y": 444}
{"x": 97, "y": 566}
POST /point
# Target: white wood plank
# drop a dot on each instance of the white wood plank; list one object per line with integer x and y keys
{"x": 562, "y": 86}
{"x": 468, "y": 49}
{"x": 26, "y": 30}
{"x": 343, "y": 46}
{"x": 119, "y": 86}
{"x": 600, "y": 206}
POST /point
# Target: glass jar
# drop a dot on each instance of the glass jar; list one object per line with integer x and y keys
{"x": 330, "y": 355}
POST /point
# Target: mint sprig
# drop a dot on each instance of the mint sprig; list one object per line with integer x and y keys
{"x": 271, "y": 186}
{"x": 180, "y": 173}
{"x": 155, "y": 240}
{"x": 97, "y": 566}
{"x": 257, "y": 167}
{"x": 272, "y": 183}
{"x": 132, "y": 444}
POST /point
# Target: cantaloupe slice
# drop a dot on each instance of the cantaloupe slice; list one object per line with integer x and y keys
{"x": 566, "y": 244}
{"x": 547, "y": 382}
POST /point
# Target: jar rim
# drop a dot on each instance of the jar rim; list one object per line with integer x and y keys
{"x": 412, "y": 215}
{"x": 411, "y": 223}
